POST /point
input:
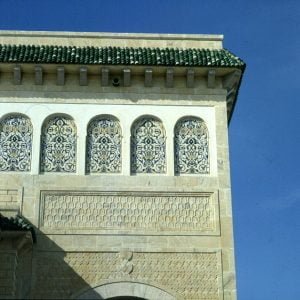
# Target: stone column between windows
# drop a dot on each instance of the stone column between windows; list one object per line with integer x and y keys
{"x": 81, "y": 150}
{"x": 36, "y": 149}
{"x": 126, "y": 148}
{"x": 169, "y": 149}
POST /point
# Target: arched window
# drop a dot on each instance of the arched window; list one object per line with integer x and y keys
{"x": 104, "y": 140}
{"x": 148, "y": 146}
{"x": 191, "y": 146}
{"x": 15, "y": 143}
{"x": 58, "y": 145}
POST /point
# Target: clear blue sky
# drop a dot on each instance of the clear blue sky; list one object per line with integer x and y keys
{"x": 264, "y": 130}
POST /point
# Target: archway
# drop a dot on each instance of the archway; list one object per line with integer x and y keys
{"x": 125, "y": 291}
{"x": 125, "y": 298}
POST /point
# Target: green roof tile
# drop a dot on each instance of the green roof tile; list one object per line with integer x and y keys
{"x": 119, "y": 56}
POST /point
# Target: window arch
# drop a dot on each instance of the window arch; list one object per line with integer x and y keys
{"x": 191, "y": 146}
{"x": 148, "y": 146}
{"x": 58, "y": 145}
{"x": 15, "y": 143}
{"x": 104, "y": 140}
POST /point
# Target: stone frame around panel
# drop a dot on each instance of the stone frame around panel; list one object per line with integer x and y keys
{"x": 154, "y": 213}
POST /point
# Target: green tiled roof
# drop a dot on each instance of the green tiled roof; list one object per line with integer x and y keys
{"x": 119, "y": 56}
{"x": 17, "y": 223}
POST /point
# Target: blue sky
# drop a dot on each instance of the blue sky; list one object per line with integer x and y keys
{"x": 264, "y": 130}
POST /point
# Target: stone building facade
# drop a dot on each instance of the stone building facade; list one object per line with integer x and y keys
{"x": 114, "y": 153}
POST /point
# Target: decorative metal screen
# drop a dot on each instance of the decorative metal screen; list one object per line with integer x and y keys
{"x": 191, "y": 146}
{"x": 58, "y": 145}
{"x": 15, "y": 143}
{"x": 148, "y": 146}
{"x": 104, "y": 146}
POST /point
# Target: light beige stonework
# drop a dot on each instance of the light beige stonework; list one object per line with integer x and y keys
{"x": 153, "y": 236}
{"x": 208, "y": 41}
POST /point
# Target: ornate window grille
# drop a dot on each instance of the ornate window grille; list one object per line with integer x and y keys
{"x": 58, "y": 145}
{"x": 191, "y": 146}
{"x": 15, "y": 143}
{"x": 148, "y": 146}
{"x": 104, "y": 139}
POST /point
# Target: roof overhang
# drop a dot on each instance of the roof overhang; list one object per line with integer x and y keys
{"x": 178, "y": 54}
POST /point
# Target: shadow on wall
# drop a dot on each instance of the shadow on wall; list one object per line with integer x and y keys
{"x": 57, "y": 274}
{"x": 52, "y": 276}
{"x": 29, "y": 271}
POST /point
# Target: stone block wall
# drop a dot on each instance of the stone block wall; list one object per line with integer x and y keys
{"x": 120, "y": 231}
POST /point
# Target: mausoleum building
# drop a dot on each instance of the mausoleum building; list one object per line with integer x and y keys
{"x": 114, "y": 167}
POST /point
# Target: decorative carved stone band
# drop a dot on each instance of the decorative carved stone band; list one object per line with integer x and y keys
{"x": 145, "y": 212}
{"x": 186, "y": 275}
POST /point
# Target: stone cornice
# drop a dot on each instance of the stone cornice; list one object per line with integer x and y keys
{"x": 102, "y": 39}
{"x": 121, "y": 76}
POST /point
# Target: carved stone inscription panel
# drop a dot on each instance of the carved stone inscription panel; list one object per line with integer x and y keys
{"x": 147, "y": 212}
{"x": 184, "y": 275}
